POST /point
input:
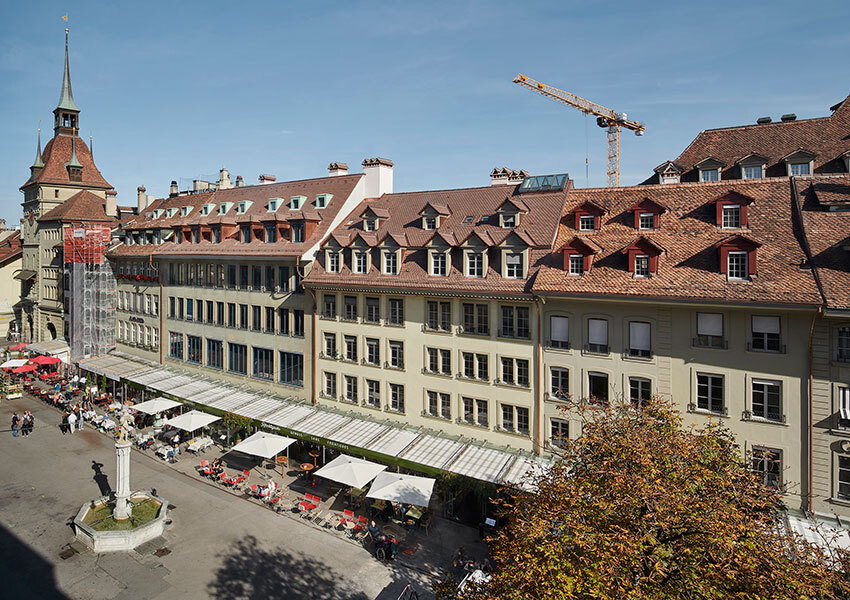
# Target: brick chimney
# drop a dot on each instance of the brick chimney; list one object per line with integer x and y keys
{"x": 335, "y": 169}
{"x": 379, "y": 177}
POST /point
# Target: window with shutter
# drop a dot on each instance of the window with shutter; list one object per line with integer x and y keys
{"x": 597, "y": 336}
{"x": 709, "y": 330}
{"x": 766, "y": 334}
{"x": 639, "y": 339}
{"x": 559, "y": 332}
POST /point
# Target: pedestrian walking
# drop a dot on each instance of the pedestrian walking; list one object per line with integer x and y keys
{"x": 72, "y": 422}
{"x": 28, "y": 423}
{"x": 64, "y": 425}
{"x": 15, "y": 422}
{"x": 79, "y": 413}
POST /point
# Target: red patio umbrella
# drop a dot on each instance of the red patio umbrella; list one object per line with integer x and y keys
{"x": 44, "y": 360}
{"x": 18, "y": 347}
{"x": 25, "y": 369}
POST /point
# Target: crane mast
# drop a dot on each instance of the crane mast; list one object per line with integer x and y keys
{"x": 605, "y": 117}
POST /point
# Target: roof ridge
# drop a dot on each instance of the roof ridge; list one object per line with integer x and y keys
{"x": 685, "y": 184}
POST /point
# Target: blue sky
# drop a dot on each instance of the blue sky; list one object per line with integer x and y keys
{"x": 175, "y": 90}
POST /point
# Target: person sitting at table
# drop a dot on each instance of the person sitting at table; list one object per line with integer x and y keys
{"x": 374, "y": 531}
{"x": 387, "y": 512}
{"x": 172, "y": 452}
{"x": 216, "y": 467}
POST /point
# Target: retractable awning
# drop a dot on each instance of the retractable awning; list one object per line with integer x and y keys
{"x": 25, "y": 275}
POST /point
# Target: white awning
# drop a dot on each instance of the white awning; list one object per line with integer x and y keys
{"x": 322, "y": 423}
{"x": 155, "y": 406}
{"x": 433, "y": 451}
{"x": 358, "y": 433}
{"x": 394, "y": 441}
{"x": 408, "y": 489}
{"x": 486, "y": 464}
{"x": 13, "y": 363}
{"x": 260, "y": 407}
{"x": 523, "y": 472}
{"x": 192, "y": 420}
{"x": 287, "y": 417}
{"x": 819, "y": 533}
{"x": 264, "y": 445}
{"x": 349, "y": 470}
{"x": 50, "y": 347}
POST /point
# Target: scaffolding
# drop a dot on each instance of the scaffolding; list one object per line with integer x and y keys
{"x": 90, "y": 284}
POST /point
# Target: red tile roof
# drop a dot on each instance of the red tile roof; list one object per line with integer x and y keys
{"x": 56, "y": 153}
{"x": 690, "y": 269}
{"x": 10, "y": 246}
{"x": 82, "y": 206}
{"x": 826, "y": 137}
{"x": 470, "y": 210}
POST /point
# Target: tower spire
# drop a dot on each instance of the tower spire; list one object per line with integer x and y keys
{"x": 38, "y": 163}
{"x": 66, "y": 98}
{"x": 74, "y": 163}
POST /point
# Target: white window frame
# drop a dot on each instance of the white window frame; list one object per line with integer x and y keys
{"x": 746, "y": 265}
{"x": 642, "y": 269}
{"x": 433, "y": 263}
{"x": 577, "y": 264}
{"x": 514, "y": 270}
{"x": 646, "y": 215}
{"x": 333, "y": 261}
{"x": 709, "y": 175}
{"x": 583, "y": 220}
{"x": 733, "y": 209}
{"x": 477, "y": 257}
{"x": 746, "y": 168}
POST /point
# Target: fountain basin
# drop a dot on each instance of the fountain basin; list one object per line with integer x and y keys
{"x": 95, "y": 528}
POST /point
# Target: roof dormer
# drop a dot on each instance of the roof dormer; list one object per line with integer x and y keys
{"x": 642, "y": 257}
{"x": 223, "y": 207}
{"x": 207, "y": 209}
{"x": 799, "y": 162}
{"x": 297, "y": 202}
{"x": 846, "y": 158}
{"x": 372, "y": 217}
{"x": 431, "y": 215}
{"x": 669, "y": 172}
{"x": 647, "y": 214}
{"x": 588, "y": 216}
{"x": 274, "y": 204}
{"x": 710, "y": 168}
{"x": 185, "y": 210}
{"x": 510, "y": 213}
{"x": 753, "y": 166}
{"x": 738, "y": 257}
{"x": 242, "y": 206}
{"x": 322, "y": 200}
{"x": 731, "y": 210}
{"x": 578, "y": 255}
{"x": 158, "y": 212}
{"x": 169, "y": 212}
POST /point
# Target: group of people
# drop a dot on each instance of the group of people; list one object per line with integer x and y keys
{"x": 23, "y": 424}
{"x": 72, "y": 419}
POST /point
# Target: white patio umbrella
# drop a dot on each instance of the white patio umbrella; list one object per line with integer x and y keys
{"x": 264, "y": 445}
{"x": 192, "y": 420}
{"x": 13, "y": 363}
{"x": 407, "y": 489}
{"x": 156, "y": 406}
{"x": 349, "y": 470}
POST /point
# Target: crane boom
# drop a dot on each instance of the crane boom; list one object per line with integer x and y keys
{"x": 605, "y": 117}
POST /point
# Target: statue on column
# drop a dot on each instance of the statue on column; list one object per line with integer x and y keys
{"x": 125, "y": 426}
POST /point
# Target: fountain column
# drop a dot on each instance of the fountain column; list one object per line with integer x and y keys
{"x": 122, "y": 492}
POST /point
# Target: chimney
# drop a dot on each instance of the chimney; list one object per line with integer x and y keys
{"x": 788, "y": 117}
{"x": 199, "y": 185}
{"x": 264, "y": 179}
{"x": 763, "y": 120}
{"x": 172, "y": 191}
{"x": 379, "y": 177}
{"x": 111, "y": 206}
{"x": 499, "y": 176}
{"x": 224, "y": 180}
{"x": 239, "y": 181}
{"x": 142, "y": 199}
{"x": 335, "y": 169}
{"x": 2, "y": 224}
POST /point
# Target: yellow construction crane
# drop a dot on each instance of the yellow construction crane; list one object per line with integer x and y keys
{"x": 605, "y": 117}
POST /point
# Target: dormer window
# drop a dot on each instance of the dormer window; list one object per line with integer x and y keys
{"x": 578, "y": 254}
{"x": 474, "y": 263}
{"x": 170, "y": 212}
{"x": 196, "y": 235}
{"x": 576, "y": 264}
{"x": 737, "y": 265}
{"x": 801, "y": 168}
{"x": 587, "y": 216}
{"x": 669, "y": 172}
{"x": 245, "y": 234}
{"x": 157, "y": 213}
{"x": 508, "y": 221}
{"x": 642, "y": 265}
{"x": 322, "y": 200}
{"x": 184, "y": 211}
{"x": 178, "y": 236}
{"x": 646, "y": 221}
{"x": 223, "y": 207}
{"x": 360, "y": 262}
{"x": 514, "y": 265}
{"x": 243, "y": 206}
{"x": 430, "y": 223}
{"x": 205, "y": 209}
{"x": 270, "y": 234}
{"x": 390, "y": 262}
{"x": 274, "y": 203}
{"x": 587, "y": 223}
{"x": 731, "y": 210}
{"x": 438, "y": 263}
{"x": 647, "y": 214}
{"x": 753, "y": 172}
{"x": 731, "y": 216}
{"x": 216, "y": 234}
{"x": 296, "y": 202}
{"x": 706, "y": 175}
{"x": 799, "y": 162}
{"x": 642, "y": 257}
{"x": 332, "y": 261}
{"x": 297, "y": 232}
{"x": 709, "y": 169}
{"x": 370, "y": 224}
{"x": 738, "y": 256}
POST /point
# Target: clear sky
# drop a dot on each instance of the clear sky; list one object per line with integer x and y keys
{"x": 177, "y": 90}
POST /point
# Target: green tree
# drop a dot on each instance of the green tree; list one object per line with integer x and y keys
{"x": 641, "y": 508}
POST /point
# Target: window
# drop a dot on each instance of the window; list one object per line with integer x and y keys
{"x": 597, "y": 385}
{"x": 175, "y": 344}
{"x": 193, "y": 344}
{"x": 396, "y": 311}
{"x": 329, "y": 311}
{"x": 390, "y": 262}
{"x": 257, "y": 317}
{"x": 559, "y": 332}
{"x": 640, "y": 391}
{"x": 587, "y": 223}
{"x": 844, "y": 477}
{"x": 330, "y": 345}
{"x": 474, "y": 264}
{"x": 710, "y": 392}
{"x": 799, "y": 168}
{"x": 515, "y": 371}
{"x": 767, "y": 400}
{"x": 330, "y": 385}
{"x": 298, "y": 233}
{"x": 349, "y": 304}
{"x": 560, "y": 382}
{"x": 283, "y": 321}
{"x": 219, "y": 313}
{"x": 710, "y": 330}
{"x": 256, "y": 277}
{"x": 737, "y": 268}
{"x": 190, "y": 309}
{"x": 263, "y": 363}
{"x": 844, "y": 344}
{"x": 370, "y": 224}
{"x": 476, "y": 319}
{"x": 515, "y": 418}
{"x": 231, "y": 314}
{"x": 475, "y": 366}
{"x": 515, "y": 322}
{"x": 270, "y": 234}
{"x": 283, "y": 278}
{"x": 269, "y": 319}
{"x": 245, "y": 234}
{"x": 646, "y": 221}
{"x": 351, "y": 389}
{"x": 641, "y": 265}
{"x": 766, "y": 465}
{"x": 439, "y": 404}
{"x": 350, "y": 347}
{"x": 753, "y": 172}
{"x": 237, "y": 355}
{"x": 360, "y": 264}
{"x": 639, "y": 339}
{"x": 397, "y": 355}
{"x": 373, "y": 351}
{"x": 433, "y": 360}
{"x": 766, "y": 334}
{"x": 373, "y": 393}
{"x": 597, "y": 336}
{"x": 298, "y": 323}
{"x": 214, "y": 354}
{"x": 397, "y": 397}
{"x": 231, "y": 276}
{"x": 269, "y": 279}
{"x": 559, "y": 432}
{"x": 439, "y": 263}
{"x": 439, "y": 317}
{"x": 508, "y": 221}
{"x": 576, "y": 264}
{"x": 243, "y": 277}
{"x": 514, "y": 265}
{"x": 292, "y": 369}
{"x": 429, "y": 223}
{"x": 373, "y": 310}
{"x": 731, "y": 216}
{"x": 709, "y": 174}
{"x": 332, "y": 261}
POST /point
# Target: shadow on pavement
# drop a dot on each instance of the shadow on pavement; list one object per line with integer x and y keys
{"x": 101, "y": 478}
{"x": 250, "y": 572}
{"x": 23, "y": 572}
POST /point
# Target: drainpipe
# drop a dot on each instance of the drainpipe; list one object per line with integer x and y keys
{"x": 313, "y": 355}
{"x": 161, "y": 313}
{"x": 810, "y": 493}
{"x": 540, "y": 420}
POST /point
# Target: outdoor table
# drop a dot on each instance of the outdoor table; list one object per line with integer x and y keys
{"x": 356, "y": 492}
{"x": 414, "y": 513}
{"x": 306, "y": 467}
{"x": 107, "y": 424}
{"x": 282, "y": 460}
{"x": 314, "y": 454}
{"x": 379, "y": 504}
{"x": 168, "y": 435}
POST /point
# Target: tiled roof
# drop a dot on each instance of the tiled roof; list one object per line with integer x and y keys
{"x": 56, "y": 153}
{"x": 341, "y": 187}
{"x": 10, "y": 246}
{"x": 690, "y": 266}
{"x": 826, "y": 137}
{"x": 471, "y": 210}
{"x": 82, "y": 206}
{"x": 826, "y": 233}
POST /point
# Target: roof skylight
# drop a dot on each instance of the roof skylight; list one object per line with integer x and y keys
{"x": 542, "y": 183}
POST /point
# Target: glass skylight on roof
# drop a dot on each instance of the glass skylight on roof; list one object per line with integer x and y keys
{"x": 542, "y": 183}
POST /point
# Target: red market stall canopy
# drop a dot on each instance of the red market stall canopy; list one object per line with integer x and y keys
{"x": 18, "y": 347}
{"x": 25, "y": 369}
{"x": 44, "y": 360}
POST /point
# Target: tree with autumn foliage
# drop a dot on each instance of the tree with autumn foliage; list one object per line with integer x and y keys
{"x": 641, "y": 508}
